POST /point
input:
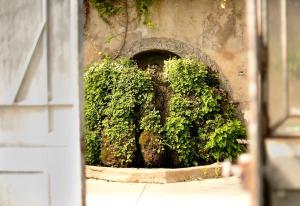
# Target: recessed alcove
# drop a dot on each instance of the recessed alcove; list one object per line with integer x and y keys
{"x": 153, "y": 58}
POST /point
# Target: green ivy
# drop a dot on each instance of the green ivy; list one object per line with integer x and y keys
{"x": 151, "y": 121}
{"x": 220, "y": 137}
{"x": 201, "y": 126}
{"x": 108, "y": 8}
{"x": 105, "y": 8}
{"x": 118, "y": 104}
{"x": 143, "y": 8}
{"x": 92, "y": 148}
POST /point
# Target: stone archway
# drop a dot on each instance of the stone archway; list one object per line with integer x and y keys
{"x": 178, "y": 48}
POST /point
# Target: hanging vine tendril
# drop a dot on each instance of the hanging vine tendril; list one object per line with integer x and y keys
{"x": 126, "y": 29}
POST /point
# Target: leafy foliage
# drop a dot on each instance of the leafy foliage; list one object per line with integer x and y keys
{"x": 118, "y": 96}
{"x": 143, "y": 9}
{"x": 92, "y": 148}
{"x": 108, "y": 8}
{"x": 202, "y": 126}
{"x": 152, "y": 148}
{"x": 122, "y": 116}
{"x": 220, "y": 136}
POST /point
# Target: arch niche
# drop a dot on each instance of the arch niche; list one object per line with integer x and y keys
{"x": 176, "y": 47}
{"x": 147, "y": 47}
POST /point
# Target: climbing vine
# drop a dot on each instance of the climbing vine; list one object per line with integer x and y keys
{"x": 143, "y": 9}
{"x": 109, "y": 8}
{"x": 118, "y": 105}
{"x": 202, "y": 125}
{"x": 124, "y": 126}
{"x": 106, "y": 8}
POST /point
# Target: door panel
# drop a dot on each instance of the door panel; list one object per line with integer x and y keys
{"x": 40, "y": 157}
{"x": 16, "y": 184}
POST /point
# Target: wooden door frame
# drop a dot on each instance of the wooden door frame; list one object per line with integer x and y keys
{"x": 255, "y": 67}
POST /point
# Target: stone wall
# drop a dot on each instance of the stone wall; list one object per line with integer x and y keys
{"x": 214, "y": 34}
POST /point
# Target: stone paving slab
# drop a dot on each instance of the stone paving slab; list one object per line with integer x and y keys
{"x": 210, "y": 192}
{"x": 99, "y": 192}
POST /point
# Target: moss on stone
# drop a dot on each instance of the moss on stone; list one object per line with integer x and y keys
{"x": 110, "y": 155}
{"x": 107, "y": 156}
{"x": 152, "y": 149}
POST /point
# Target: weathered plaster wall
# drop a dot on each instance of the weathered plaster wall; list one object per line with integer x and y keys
{"x": 202, "y": 26}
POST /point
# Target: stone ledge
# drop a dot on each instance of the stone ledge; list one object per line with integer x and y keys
{"x": 156, "y": 175}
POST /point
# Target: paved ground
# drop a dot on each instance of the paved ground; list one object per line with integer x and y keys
{"x": 211, "y": 192}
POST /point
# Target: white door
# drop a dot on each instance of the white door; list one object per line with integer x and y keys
{"x": 40, "y": 155}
